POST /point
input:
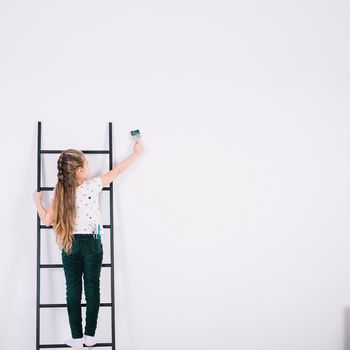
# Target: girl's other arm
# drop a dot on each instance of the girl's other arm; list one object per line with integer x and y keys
{"x": 46, "y": 216}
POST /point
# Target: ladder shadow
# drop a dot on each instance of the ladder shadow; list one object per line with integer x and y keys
{"x": 346, "y": 329}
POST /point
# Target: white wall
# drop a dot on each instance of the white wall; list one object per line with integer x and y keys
{"x": 232, "y": 230}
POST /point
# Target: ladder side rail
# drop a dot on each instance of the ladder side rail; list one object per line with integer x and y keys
{"x": 38, "y": 243}
{"x": 111, "y": 236}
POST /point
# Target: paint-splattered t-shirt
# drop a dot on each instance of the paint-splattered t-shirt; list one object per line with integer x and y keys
{"x": 88, "y": 215}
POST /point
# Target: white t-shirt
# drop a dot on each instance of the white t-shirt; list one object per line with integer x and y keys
{"x": 88, "y": 215}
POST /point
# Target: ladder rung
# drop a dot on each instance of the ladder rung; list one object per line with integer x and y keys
{"x": 53, "y": 266}
{"x": 48, "y": 346}
{"x": 53, "y": 151}
{"x": 65, "y": 305}
{"x": 50, "y": 226}
{"x": 52, "y": 188}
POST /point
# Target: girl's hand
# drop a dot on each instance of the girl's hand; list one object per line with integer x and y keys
{"x": 138, "y": 148}
{"x": 37, "y": 196}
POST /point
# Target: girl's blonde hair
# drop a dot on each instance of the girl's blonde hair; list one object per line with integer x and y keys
{"x": 64, "y": 200}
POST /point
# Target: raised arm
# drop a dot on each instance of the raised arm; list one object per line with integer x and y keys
{"x": 108, "y": 177}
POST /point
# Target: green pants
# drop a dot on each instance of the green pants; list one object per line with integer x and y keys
{"x": 84, "y": 260}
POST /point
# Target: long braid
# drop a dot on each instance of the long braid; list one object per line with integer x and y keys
{"x": 67, "y": 164}
{"x": 60, "y": 175}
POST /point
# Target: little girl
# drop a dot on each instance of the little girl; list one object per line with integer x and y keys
{"x": 75, "y": 215}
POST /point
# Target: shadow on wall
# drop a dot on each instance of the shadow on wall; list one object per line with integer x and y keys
{"x": 347, "y": 328}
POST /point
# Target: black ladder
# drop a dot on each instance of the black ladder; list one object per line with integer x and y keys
{"x": 41, "y": 266}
